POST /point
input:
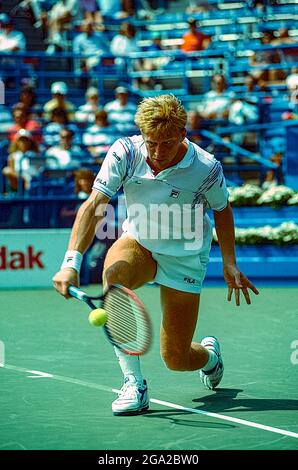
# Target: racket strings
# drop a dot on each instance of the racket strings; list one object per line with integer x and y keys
{"x": 127, "y": 325}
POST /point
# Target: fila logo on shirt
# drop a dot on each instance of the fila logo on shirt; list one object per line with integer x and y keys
{"x": 174, "y": 193}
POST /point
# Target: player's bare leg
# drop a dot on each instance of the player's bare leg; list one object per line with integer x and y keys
{"x": 129, "y": 264}
{"x": 180, "y": 314}
{"x": 180, "y": 353}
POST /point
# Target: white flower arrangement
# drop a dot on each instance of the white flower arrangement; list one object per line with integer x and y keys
{"x": 276, "y": 196}
{"x": 252, "y": 195}
{"x": 284, "y": 234}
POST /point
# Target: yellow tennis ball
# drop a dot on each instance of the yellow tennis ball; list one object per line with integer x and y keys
{"x": 98, "y": 317}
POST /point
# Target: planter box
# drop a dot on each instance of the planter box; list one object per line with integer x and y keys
{"x": 259, "y": 261}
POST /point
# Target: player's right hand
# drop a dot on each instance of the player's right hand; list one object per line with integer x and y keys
{"x": 63, "y": 279}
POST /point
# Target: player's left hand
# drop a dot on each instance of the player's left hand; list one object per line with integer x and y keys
{"x": 237, "y": 282}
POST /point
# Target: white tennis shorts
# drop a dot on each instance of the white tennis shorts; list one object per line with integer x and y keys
{"x": 184, "y": 273}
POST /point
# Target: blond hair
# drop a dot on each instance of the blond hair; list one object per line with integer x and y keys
{"x": 162, "y": 115}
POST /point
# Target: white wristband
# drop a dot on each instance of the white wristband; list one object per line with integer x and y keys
{"x": 72, "y": 259}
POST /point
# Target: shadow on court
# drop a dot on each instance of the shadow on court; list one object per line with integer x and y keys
{"x": 225, "y": 399}
{"x": 181, "y": 421}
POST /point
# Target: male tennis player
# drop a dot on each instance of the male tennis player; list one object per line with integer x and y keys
{"x": 161, "y": 169}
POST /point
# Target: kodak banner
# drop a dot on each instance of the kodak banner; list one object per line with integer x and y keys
{"x": 30, "y": 258}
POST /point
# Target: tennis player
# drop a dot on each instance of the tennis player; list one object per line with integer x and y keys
{"x": 161, "y": 171}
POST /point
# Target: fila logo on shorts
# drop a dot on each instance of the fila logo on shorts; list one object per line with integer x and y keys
{"x": 174, "y": 193}
{"x": 190, "y": 280}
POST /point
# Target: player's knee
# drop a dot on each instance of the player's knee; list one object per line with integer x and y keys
{"x": 175, "y": 359}
{"x": 113, "y": 275}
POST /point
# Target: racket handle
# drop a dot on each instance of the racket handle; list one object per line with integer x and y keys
{"x": 77, "y": 293}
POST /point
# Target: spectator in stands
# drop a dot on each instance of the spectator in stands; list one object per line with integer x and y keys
{"x": 121, "y": 111}
{"x": 67, "y": 153}
{"x": 86, "y": 112}
{"x": 59, "y": 120}
{"x": 29, "y": 99}
{"x": 292, "y": 85}
{"x": 91, "y": 43}
{"x": 216, "y": 103}
{"x": 59, "y": 91}
{"x": 22, "y": 121}
{"x": 244, "y": 109}
{"x": 266, "y": 57}
{"x": 21, "y": 161}
{"x": 116, "y": 9}
{"x": 84, "y": 179}
{"x": 125, "y": 42}
{"x": 100, "y": 136}
{"x": 289, "y": 54}
{"x": 194, "y": 40}
{"x": 193, "y": 126}
{"x": 11, "y": 40}
{"x": 90, "y": 9}
{"x": 59, "y": 19}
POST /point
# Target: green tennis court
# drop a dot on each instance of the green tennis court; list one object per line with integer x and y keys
{"x": 60, "y": 377}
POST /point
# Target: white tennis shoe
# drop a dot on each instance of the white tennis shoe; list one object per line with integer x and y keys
{"x": 133, "y": 397}
{"x": 213, "y": 377}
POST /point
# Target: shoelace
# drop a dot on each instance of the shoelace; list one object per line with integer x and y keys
{"x": 128, "y": 390}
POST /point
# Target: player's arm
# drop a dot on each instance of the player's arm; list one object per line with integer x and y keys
{"x": 236, "y": 280}
{"x": 89, "y": 215}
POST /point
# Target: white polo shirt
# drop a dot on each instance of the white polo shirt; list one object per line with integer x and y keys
{"x": 165, "y": 209}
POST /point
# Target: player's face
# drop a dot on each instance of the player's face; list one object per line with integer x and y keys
{"x": 165, "y": 152}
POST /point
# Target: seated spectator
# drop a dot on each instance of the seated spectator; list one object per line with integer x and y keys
{"x": 125, "y": 42}
{"x": 59, "y": 120}
{"x": 59, "y": 19}
{"x": 99, "y": 137}
{"x": 84, "y": 179}
{"x": 86, "y": 113}
{"x": 67, "y": 153}
{"x": 21, "y": 161}
{"x": 90, "y": 43}
{"x": 292, "y": 85}
{"x": 266, "y": 57}
{"x": 193, "y": 126}
{"x": 116, "y": 9}
{"x": 194, "y": 40}
{"x": 59, "y": 91}
{"x": 216, "y": 103}
{"x": 121, "y": 111}
{"x": 29, "y": 99}
{"x": 22, "y": 121}
{"x": 90, "y": 9}
{"x": 11, "y": 40}
{"x": 245, "y": 110}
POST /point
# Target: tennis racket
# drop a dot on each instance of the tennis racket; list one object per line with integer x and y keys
{"x": 128, "y": 326}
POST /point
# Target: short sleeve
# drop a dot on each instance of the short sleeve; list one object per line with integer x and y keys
{"x": 113, "y": 170}
{"x": 216, "y": 192}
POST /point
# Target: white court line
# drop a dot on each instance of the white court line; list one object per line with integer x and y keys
{"x": 161, "y": 402}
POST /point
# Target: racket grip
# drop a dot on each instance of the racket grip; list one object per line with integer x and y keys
{"x": 77, "y": 293}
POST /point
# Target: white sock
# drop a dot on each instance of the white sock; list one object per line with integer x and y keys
{"x": 130, "y": 365}
{"x": 212, "y": 361}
